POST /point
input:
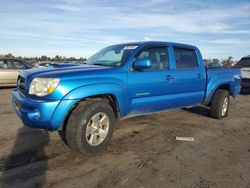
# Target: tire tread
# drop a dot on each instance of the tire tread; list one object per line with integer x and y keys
{"x": 217, "y": 102}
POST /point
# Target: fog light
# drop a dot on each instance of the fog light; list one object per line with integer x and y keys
{"x": 35, "y": 115}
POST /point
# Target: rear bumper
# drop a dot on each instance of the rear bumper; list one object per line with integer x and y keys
{"x": 43, "y": 114}
{"x": 245, "y": 83}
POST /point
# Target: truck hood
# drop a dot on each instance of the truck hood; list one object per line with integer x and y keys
{"x": 71, "y": 77}
{"x": 64, "y": 71}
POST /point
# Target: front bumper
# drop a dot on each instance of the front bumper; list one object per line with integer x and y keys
{"x": 245, "y": 83}
{"x": 44, "y": 114}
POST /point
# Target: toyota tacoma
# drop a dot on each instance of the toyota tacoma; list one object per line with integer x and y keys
{"x": 84, "y": 102}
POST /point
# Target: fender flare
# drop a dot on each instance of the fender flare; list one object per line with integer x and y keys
{"x": 211, "y": 89}
{"x": 83, "y": 92}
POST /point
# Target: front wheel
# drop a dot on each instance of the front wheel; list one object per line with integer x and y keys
{"x": 220, "y": 104}
{"x": 90, "y": 126}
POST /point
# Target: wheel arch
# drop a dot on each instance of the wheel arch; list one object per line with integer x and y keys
{"x": 225, "y": 86}
{"x": 112, "y": 93}
{"x": 109, "y": 98}
{"x": 222, "y": 87}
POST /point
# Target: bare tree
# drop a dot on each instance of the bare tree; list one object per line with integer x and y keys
{"x": 228, "y": 62}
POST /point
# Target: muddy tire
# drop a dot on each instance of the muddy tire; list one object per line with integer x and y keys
{"x": 62, "y": 135}
{"x": 90, "y": 126}
{"x": 220, "y": 104}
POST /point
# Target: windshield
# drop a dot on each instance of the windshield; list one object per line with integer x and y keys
{"x": 29, "y": 66}
{"x": 112, "y": 56}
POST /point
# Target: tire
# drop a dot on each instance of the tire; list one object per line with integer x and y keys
{"x": 62, "y": 135}
{"x": 87, "y": 120}
{"x": 219, "y": 108}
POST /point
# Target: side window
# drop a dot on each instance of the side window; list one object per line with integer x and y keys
{"x": 4, "y": 64}
{"x": 158, "y": 56}
{"x": 185, "y": 58}
{"x": 18, "y": 65}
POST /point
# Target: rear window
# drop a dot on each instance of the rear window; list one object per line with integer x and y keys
{"x": 185, "y": 58}
{"x": 244, "y": 62}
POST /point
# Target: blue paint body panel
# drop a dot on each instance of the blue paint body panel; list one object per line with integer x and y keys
{"x": 135, "y": 92}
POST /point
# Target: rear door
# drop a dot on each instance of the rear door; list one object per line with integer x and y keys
{"x": 189, "y": 76}
{"x": 150, "y": 90}
{"x": 7, "y": 73}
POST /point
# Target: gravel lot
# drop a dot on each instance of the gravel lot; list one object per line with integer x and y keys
{"x": 143, "y": 152}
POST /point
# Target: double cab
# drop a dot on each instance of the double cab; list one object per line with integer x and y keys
{"x": 84, "y": 102}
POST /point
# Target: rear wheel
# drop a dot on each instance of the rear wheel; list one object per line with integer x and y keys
{"x": 90, "y": 126}
{"x": 220, "y": 104}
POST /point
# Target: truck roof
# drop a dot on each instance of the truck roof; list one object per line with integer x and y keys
{"x": 160, "y": 42}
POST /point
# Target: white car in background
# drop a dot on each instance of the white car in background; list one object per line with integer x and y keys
{"x": 10, "y": 69}
{"x": 244, "y": 64}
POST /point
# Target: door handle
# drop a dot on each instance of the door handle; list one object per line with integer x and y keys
{"x": 199, "y": 75}
{"x": 169, "y": 77}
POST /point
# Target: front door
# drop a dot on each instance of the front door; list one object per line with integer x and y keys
{"x": 149, "y": 90}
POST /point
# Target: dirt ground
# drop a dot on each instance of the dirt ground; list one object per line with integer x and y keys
{"x": 142, "y": 153}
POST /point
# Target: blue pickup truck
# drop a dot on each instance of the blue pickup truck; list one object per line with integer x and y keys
{"x": 84, "y": 102}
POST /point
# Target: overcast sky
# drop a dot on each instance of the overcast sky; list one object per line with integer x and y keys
{"x": 220, "y": 28}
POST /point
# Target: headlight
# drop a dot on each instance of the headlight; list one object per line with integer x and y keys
{"x": 43, "y": 86}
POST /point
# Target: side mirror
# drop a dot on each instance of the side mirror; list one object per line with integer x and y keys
{"x": 142, "y": 64}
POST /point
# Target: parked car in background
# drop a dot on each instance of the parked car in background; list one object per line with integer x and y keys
{"x": 10, "y": 69}
{"x": 244, "y": 64}
{"x": 43, "y": 64}
{"x": 80, "y": 62}
{"x": 213, "y": 65}
{"x": 83, "y": 102}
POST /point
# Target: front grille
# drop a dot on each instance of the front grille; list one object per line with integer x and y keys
{"x": 21, "y": 84}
